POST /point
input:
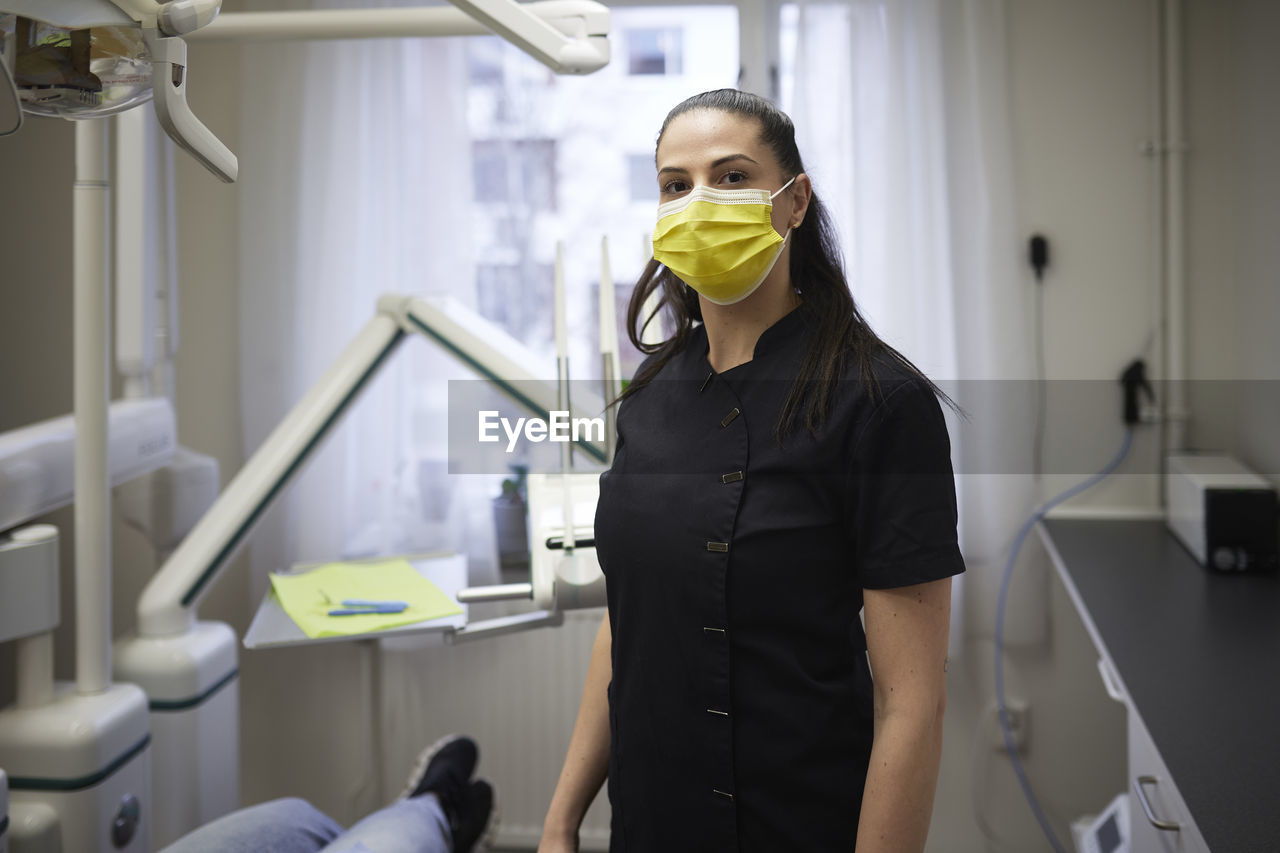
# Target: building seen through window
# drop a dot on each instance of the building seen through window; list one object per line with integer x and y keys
{"x": 569, "y": 158}
{"x": 654, "y": 51}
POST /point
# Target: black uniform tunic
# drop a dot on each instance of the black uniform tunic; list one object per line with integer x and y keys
{"x": 740, "y": 704}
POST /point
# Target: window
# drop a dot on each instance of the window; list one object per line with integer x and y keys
{"x": 515, "y": 171}
{"x": 654, "y": 51}
{"x": 509, "y": 294}
{"x": 570, "y": 158}
{"x": 642, "y": 177}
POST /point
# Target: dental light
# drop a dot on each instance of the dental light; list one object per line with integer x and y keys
{"x": 81, "y": 59}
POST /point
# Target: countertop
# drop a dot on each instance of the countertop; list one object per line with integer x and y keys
{"x": 1199, "y": 656}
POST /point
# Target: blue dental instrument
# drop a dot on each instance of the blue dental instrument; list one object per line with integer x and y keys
{"x": 361, "y": 606}
{"x": 358, "y": 607}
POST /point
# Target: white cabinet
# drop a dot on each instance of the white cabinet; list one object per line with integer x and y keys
{"x": 1154, "y": 798}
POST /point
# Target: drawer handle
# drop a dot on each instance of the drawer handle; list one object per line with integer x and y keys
{"x": 1109, "y": 681}
{"x": 1167, "y": 825}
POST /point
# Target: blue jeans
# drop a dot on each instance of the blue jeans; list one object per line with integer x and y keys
{"x": 291, "y": 825}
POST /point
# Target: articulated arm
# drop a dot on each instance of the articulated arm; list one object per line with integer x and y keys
{"x": 168, "y": 603}
{"x": 569, "y": 36}
{"x": 169, "y": 84}
{"x": 560, "y": 53}
{"x": 575, "y": 41}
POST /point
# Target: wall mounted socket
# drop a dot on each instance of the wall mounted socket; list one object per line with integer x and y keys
{"x": 1019, "y": 714}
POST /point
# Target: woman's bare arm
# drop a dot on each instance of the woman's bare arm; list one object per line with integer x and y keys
{"x": 907, "y": 641}
{"x": 587, "y": 762}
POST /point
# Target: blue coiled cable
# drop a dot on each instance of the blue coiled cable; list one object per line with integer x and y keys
{"x": 999, "y": 639}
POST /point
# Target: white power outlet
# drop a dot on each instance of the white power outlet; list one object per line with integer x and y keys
{"x": 1018, "y": 712}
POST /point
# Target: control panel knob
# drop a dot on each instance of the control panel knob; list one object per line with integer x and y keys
{"x": 125, "y": 825}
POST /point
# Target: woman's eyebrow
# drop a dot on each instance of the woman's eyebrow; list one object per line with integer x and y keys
{"x": 720, "y": 162}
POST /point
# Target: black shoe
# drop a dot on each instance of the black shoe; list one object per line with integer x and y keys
{"x": 475, "y": 819}
{"x": 444, "y": 769}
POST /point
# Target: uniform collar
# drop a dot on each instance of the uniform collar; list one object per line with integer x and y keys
{"x": 787, "y": 330}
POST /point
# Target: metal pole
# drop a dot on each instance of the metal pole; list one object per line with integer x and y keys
{"x": 92, "y": 357}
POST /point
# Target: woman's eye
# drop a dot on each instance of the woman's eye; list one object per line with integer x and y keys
{"x": 673, "y": 187}
{"x": 734, "y": 177}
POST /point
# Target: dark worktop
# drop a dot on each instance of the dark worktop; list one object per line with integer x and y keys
{"x": 1199, "y": 656}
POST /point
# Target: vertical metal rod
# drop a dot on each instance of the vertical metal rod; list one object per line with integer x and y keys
{"x": 1174, "y": 144}
{"x": 565, "y": 403}
{"x": 92, "y": 356}
{"x": 608, "y": 350}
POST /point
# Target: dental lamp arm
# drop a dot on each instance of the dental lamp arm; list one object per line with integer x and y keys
{"x": 576, "y": 44}
{"x": 169, "y": 83}
{"x": 463, "y": 334}
{"x": 518, "y": 25}
{"x": 572, "y": 18}
{"x": 168, "y": 603}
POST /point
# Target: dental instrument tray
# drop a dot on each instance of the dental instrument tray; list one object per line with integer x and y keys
{"x": 272, "y": 627}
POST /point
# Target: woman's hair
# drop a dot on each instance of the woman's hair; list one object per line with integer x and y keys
{"x": 816, "y": 271}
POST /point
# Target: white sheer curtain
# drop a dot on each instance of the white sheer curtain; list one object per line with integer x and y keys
{"x": 901, "y": 114}
{"x": 351, "y": 155}
{"x": 355, "y": 181}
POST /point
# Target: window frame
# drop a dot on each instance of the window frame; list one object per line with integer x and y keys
{"x": 758, "y": 48}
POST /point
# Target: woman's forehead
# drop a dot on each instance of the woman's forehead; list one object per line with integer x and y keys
{"x": 700, "y": 137}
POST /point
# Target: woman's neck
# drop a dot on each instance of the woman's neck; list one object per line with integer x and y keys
{"x": 732, "y": 330}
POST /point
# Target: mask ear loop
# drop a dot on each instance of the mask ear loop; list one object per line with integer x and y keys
{"x": 783, "y": 187}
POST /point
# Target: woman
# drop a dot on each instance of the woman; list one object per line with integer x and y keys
{"x": 779, "y": 469}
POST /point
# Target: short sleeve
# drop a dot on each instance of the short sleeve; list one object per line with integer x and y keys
{"x": 900, "y": 495}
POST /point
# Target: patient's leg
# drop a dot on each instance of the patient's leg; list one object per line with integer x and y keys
{"x": 415, "y": 825}
{"x": 288, "y": 825}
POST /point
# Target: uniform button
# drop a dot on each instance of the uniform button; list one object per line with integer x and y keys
{"x": 705, "y": 381}
{"x": 728, "y": 419}
{"x": 731, "y": 477}
{"x": 718, "y": 546}
{"x": 724, "y": 794}
{"x": 718, "y": 713}
{"x": 716, "y": 631}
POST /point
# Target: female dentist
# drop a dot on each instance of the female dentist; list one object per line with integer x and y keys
{"x": 780, "y": 469}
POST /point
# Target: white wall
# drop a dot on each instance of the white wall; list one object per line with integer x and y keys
{"x": 1082, "y": 105}
{"x": 1233, "y": 254}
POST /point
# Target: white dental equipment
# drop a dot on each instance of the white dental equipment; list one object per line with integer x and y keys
{"x": 10, "y": 105}
{"x": 564, "y": 571}
{"x": 168, "y": 603}
{"x": 568, "y": 36}
{"x": 37, "y": 470}
{"x": 85, "y": 794}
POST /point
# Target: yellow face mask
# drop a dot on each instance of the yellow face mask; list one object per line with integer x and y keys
{"x": 719, "y": 242}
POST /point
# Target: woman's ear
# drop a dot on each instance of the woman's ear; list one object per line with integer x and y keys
{"x": 802, "y": 192}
